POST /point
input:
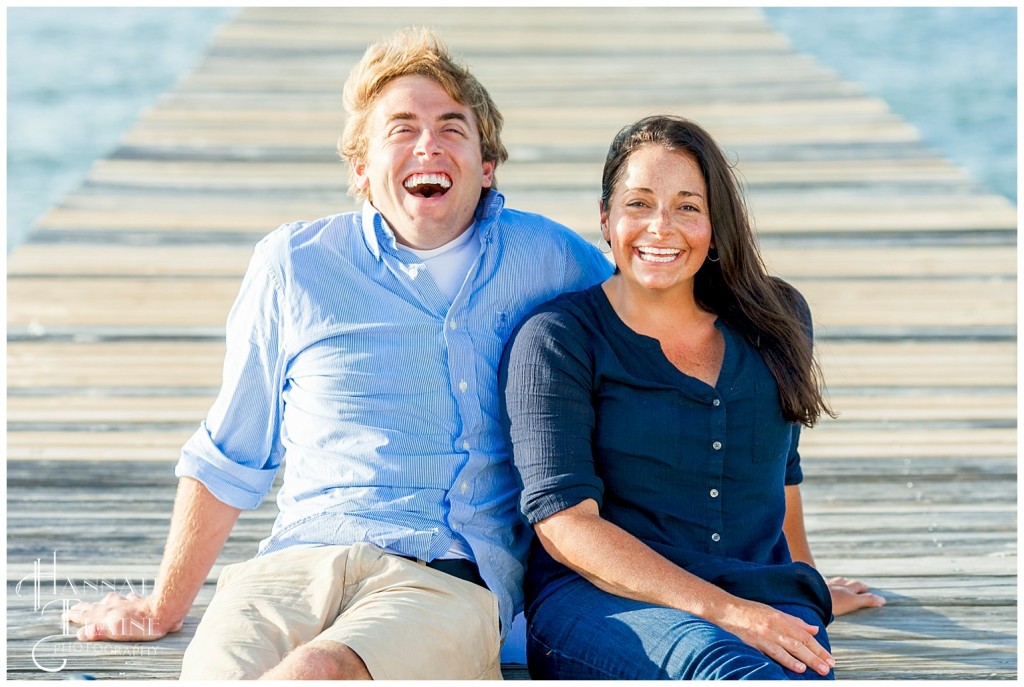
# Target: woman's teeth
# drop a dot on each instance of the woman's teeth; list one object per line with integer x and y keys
{"x": 652, "y": 254}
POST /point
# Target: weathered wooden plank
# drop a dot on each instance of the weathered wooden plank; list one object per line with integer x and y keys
{"x": 92, "y": 409}
{"x": 911, "y": 363}
{"x": 595, "y": 134}
{"x": 93, "y": 445}
{"x": 183, "y": 110}
{"x": 42, "y": 259}
{"x": 983, "y": 409}
{"x": 574, "y": 210}
{"x": 35, "y": 259}
{"x": 824, "y": 442}
{"x": 927, "y": 261}
{"x": 171, "y": 364}
{"x": 936, "y": 659}
{"x": 186, "y": 302}
{"x": 117, "y": 364}
{"x": 602, "y": 37}
{"x": 247, "y": 220}
{"x": 835, "y": 441}
{"x": 377, "y": 20}
{"x": 319, "y": 72}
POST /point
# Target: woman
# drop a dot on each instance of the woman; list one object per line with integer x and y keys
{"x": 655, "y": 421}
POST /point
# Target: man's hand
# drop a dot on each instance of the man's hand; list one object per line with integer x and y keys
{"x": 786, "y": 639}
{"x": 119, "y": 618}
{"x": 851, "y": 595}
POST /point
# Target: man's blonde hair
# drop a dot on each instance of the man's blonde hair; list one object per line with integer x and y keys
{"x": 414, "y": 52}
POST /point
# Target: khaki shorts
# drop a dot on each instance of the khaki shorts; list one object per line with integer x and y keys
{"x": 405, "y": 620}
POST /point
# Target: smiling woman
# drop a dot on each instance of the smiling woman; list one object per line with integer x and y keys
{"x": 655, "y": 421}
{"x": 657, "y": 224}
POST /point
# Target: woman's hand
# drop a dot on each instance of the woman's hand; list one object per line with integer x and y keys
{"x": 851, "y": 595}
{"x": 617, "y": 562}
{"x": 786, "y": 639}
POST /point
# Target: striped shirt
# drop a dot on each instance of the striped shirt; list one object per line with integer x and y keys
{"x": 348, "y": 366}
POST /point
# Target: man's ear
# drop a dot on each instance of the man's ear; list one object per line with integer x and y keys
{"x": 488, "y": 174}
{"x": 359, "y": 169}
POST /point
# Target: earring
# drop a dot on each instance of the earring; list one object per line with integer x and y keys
{"x": 713, "y": 254}
{"x": 605, "y": 242}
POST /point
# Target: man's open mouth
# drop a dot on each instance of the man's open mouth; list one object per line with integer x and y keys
{"x": 428, "y": 185}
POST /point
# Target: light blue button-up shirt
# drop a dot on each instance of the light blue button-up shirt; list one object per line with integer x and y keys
{"x": 346, "y": 364}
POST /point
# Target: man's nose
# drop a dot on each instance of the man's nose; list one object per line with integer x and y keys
{"x": 427, "y": 144}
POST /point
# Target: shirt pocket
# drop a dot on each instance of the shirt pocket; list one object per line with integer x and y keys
{"x": 503, "y": 324}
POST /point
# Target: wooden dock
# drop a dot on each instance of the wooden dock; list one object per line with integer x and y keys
{"x": 116, "y": 304}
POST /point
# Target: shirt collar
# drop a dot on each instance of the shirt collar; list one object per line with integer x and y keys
{"x": 376, "y": 230}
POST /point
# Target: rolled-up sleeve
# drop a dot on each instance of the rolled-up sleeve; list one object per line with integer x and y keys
{"x": 546, "y": 378}
{"x": 237, "y": 451}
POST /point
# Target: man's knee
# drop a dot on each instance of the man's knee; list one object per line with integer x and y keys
{"x": 320, "y": 660}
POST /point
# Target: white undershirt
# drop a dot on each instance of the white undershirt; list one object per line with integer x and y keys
{"x": 449, "y": 264}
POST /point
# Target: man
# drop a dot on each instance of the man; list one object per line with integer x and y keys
{"x": 362, "y": 355}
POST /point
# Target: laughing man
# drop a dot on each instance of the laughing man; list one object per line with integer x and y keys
{"x": 362, "y": 356}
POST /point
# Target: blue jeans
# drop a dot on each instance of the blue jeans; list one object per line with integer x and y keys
{"x": 582, "y": 633}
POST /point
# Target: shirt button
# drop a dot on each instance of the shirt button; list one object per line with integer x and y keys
{"x": 714, "y": 493}
{"x": 716, "y": 402}
{"x": 465, "y": 445}
{"x": 464, "y": 486}
{"x": 463, "y": 386}
{"x": 716, "y": 537}
{"x": 717, "y": 445}
{"x": 452, "y": 324}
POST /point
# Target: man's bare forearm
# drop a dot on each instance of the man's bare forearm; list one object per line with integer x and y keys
{"x": 200, "y": 525}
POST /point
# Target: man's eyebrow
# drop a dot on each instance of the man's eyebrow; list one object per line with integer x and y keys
{"x": 401, "y": 116}
{"x": 409, "y": 116}
{"x": 448, "y": 116}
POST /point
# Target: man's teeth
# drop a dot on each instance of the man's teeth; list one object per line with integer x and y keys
{"x": 428, "y": 179}
{"x": 652, "y": 254}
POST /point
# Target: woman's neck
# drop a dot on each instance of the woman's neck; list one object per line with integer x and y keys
{"x": 650, "y": 312}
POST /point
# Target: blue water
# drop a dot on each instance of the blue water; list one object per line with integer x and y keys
{"x": 950, "y": 71}
{"x": 77, "y": 79}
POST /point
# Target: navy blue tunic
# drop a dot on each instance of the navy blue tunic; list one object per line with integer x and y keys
{"x": 596, "y": 411}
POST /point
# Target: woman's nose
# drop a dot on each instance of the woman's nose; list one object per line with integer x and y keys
{"x": 660, "y": 223}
